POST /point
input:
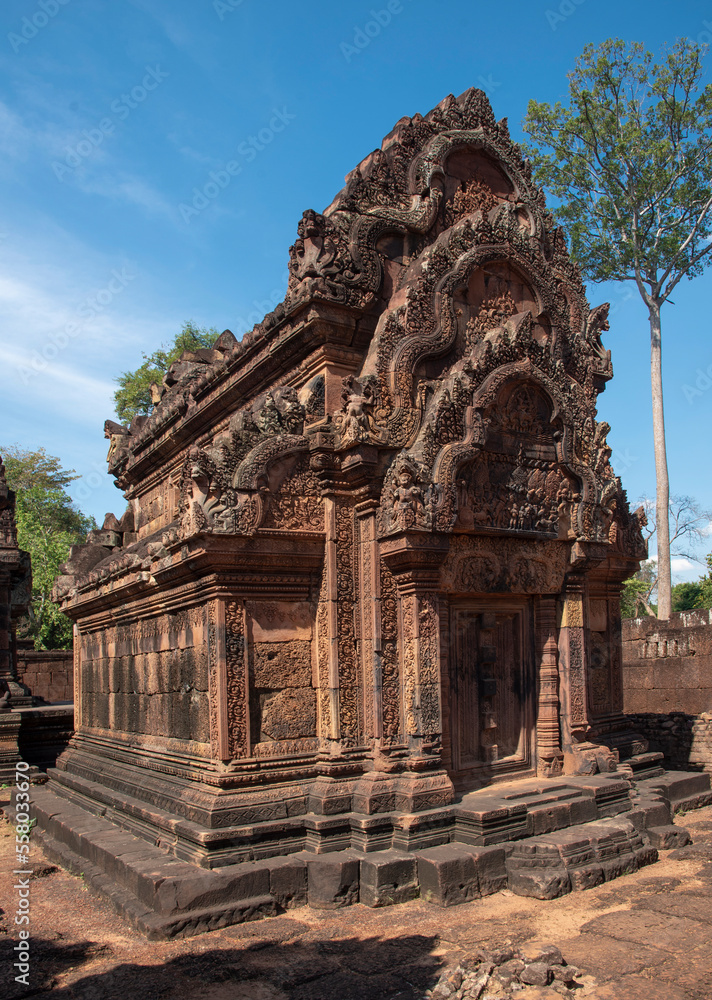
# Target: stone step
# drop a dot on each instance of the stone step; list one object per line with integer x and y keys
{"x": 503, "y": 813}
{"x": 577, "y": 858}
{"x": 684, "y": 790}
{"x": 646, "y": 765}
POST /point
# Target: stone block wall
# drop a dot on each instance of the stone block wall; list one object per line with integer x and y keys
{"x": 667, "y": 681}
{"x": 148, "y": 677}
{"x": 48, "y": 673}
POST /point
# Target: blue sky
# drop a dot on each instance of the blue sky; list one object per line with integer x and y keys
{"x": 114, "y": 115}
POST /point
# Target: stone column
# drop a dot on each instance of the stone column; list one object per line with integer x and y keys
{"x": 548, "y": 728}
{"x": 370, "y": 613}
{"x": 13, "y": 693}
{"x": 15, "y": 595}
{"x": 340, "y": 613}
{"x": 7, "y": 673}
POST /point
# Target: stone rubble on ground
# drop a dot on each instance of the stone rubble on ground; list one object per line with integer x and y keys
{"x": 507, "y": 974}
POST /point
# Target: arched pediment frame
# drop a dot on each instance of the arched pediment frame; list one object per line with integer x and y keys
{"x": 254, "y": 467}
{"x": 455, "y": 455}
{"x": 426, "y": 189}
{"x": 441, "y": 335}
{"x": 427, "y": 171}
{"x": 251, "y": 481}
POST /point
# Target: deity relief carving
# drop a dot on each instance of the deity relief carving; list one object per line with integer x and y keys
{"x": 201, "y": 492}
{"x": 408, "y": 497}
{"x": 360, "y": 420}
{"x": 489, "y": 565}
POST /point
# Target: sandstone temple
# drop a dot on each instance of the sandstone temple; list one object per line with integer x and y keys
{"x": 368, "y": 577}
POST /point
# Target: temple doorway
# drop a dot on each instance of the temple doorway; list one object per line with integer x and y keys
{"x": 491, "y": 696}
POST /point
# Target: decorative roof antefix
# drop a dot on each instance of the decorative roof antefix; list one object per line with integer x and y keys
{"x": 12, "y": 557}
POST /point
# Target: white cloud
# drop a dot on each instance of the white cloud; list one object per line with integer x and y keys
{"x": 94, "y": 173}
{"x": 679, "y": 564}
{"x": 65, "y": 308}
{"x": 21, "y": 141}
{"x": 128, "y": 188}
{"x": 202, "y": 158}
{"x": 67, "y": 392}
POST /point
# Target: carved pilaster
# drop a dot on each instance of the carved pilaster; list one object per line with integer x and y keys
{"x": 77, "y": 658}
{"x": 236, "y": 681}
{"x": 549, "y": 755}
{"x": 415, "y": 562}
{"x": 370, "y": 614}
{"x": 347, "y": 585}
{"x": 616, "y": 649}
{"x": 217, "y": 682}
{"x": 391, "y": 700}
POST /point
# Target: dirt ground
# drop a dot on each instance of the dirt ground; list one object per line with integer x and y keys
{"x": 646, "y": 936}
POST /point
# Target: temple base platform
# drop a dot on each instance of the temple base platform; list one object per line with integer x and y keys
{"x": 536, "y": 837}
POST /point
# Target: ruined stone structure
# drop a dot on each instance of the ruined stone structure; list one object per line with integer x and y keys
{"x": 667, "y": 685}
{"x": 48, "y": 673}
{"x": 373, "y": 552}
{"x": 15, "y": 596}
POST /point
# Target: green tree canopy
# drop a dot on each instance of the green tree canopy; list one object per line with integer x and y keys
{"x": 704, "y": 599}
{"x": 133, "y": 396}
{"x": 685, "y": 596}
{"x": 630, "y": 160}
{"x": 636, "y": 598}
{"x": 48, "y": 523}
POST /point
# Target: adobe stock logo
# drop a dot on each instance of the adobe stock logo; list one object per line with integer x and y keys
{"x": 223, "y": 7}
{"x": 565, "y": 10}
{"x": 248, "y": 150}
{"x": 363, "y": 37}
{"x": 32, "y": 25}
{"x": 703, "y": 383}
{"x": 121, "y": 108}
{"x": 91, "y": 307}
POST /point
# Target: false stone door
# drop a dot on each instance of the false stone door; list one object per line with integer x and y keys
{"x": 491, "y": 691}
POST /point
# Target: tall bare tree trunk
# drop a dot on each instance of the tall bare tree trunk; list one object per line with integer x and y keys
{"x": 662, "y": 484}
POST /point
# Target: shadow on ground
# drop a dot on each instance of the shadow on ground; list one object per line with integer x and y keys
{"x": 347, "y": 969}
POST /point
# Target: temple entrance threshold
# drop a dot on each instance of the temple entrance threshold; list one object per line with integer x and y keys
{"x": 491, "y": 691}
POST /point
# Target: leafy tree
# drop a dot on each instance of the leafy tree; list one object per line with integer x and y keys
{"x": 685, "y": 596}
{"x": 133, "y": 396}
{"x": 689, "y": 525}
{"x": 705, "y": 598}
{"x": 630, "y": 161}
{"x": 48, "y": 523}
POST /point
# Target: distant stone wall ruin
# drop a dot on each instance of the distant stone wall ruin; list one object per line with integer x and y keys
{"x": 49, "y": 673}
{"x": 667, "y": 685}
